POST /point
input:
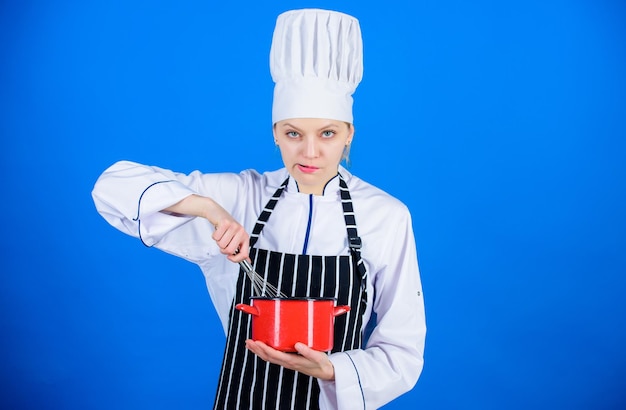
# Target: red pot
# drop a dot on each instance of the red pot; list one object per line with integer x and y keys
{"x": 281, "y": 323}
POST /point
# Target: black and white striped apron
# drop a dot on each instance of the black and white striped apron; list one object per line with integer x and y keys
{"x": 248, "y": 382}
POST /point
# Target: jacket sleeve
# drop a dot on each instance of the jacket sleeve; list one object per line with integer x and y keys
{"x": 392, "y": 359}
{"x": 131, "y": 196}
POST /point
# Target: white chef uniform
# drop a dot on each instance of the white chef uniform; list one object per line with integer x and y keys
{"x": 392, "y": 359}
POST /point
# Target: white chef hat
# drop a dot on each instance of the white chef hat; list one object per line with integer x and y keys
{"x": 316, "y": 61}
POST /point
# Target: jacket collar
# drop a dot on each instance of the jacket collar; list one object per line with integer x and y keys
{"x": 330, "y": 189}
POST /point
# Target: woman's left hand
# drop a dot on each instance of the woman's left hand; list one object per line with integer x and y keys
{"x": 308, "y": 361}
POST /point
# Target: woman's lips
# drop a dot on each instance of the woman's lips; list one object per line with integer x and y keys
{"x": 307, "y": 169}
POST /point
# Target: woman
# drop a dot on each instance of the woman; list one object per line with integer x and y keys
{"x": 326, "y": 231}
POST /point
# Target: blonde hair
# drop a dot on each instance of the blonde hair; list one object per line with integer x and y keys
{"x": 345, "y": 157}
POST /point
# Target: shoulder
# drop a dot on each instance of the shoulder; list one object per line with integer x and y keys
{"x": 384, "y": 224}
{"x": 367, "y": 197}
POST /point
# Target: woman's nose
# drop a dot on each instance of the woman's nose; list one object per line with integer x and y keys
{"x": 311, "y": 150}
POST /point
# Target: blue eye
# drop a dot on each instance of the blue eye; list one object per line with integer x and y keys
{"x": 292, "y": 134}
{"x": 328, "y": 133}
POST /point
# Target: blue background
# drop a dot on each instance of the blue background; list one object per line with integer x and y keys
{"x": 501, "y": 125}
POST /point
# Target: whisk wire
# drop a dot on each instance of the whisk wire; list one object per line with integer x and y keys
{"x": 260, "y": 287}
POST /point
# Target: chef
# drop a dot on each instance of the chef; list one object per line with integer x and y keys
{"x": 311, "y": 229}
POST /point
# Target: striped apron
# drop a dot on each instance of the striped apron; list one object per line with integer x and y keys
{"x": 248, "y": 382}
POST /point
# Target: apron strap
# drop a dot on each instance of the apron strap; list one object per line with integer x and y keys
{"x": 354, "y": 240}
{"x": 266, "y": 213}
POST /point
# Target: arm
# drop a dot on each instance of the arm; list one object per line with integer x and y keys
{"x": 229, "y": 235}
{"x": 392, "y": 360}
{"x": 150, "y": 202}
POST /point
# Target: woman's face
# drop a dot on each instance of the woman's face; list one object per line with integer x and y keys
{"x": 312, "y": 149}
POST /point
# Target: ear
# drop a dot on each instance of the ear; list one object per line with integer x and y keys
{"x": 350, "y": 135}
{"x": 274, "y": 134}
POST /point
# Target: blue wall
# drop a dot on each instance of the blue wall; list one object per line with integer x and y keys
{"x": 502, "y": 125}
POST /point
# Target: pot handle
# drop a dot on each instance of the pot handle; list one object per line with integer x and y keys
{"x": 251, "y": 310}
{"x": 340, "y": 310}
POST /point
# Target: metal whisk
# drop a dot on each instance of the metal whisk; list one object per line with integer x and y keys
{"x": 260, "y": 287}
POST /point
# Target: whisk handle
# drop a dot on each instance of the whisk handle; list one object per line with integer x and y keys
{"x": 245, "y": 265}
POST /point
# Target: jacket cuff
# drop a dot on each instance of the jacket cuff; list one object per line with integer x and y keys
{"x": 345, "y": 391}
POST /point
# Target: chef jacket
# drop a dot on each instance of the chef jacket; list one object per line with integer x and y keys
{"x": 131, "y": 196}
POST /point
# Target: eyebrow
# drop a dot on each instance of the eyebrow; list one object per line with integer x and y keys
{"x": 329, "y": 125}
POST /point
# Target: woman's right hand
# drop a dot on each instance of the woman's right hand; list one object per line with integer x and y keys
{"x": 230, "y": 235}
